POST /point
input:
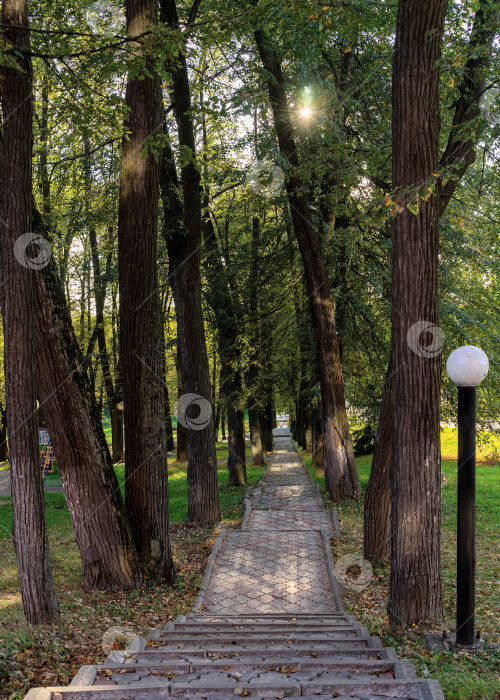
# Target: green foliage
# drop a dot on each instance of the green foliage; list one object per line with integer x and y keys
{"x": 363, "y": 439}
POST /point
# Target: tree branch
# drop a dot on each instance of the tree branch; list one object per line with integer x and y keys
{"x": 459, "y": 153}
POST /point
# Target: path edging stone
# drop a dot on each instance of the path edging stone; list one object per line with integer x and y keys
{"x": 335, "y": 523}
{"x": 209, "y": 570}
{"x": 330, "y": 566}
{"x": 248, "y": 508}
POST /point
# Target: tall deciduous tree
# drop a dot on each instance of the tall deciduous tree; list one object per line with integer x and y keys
{"x": 340, "y": 468}
{"x": 184, "y": 253}
{"x": 458, "y": 155}
{"x": 226, "y": 310}
{"x": 29, "y": 531}
{"x": 146, "y": 489}
{"x": 102, "y": 529}
{"x": 253, "y": 369}
{"x": 415, "y": 585}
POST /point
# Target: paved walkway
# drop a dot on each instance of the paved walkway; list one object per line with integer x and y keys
{"x": 268, "y": 622}
{"x": 276, "y": 564}
{"x": 5, "y": 485}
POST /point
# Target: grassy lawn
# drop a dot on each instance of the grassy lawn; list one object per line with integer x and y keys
{"x": 462, "y": 676}
{"x": 49, "y": 656}
{"x": 488, "y": 445}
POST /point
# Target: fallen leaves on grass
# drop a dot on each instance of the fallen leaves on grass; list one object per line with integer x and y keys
{"x": 43, "y": 656}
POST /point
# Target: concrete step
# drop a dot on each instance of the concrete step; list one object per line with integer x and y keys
{"x": 260, "y": 625}
{"x": 263, "y": 629}
{"x": 261, "y": 618}
{"x": 390, "y": 669}
{"x": 332, "y": 652}
{"x": 232, "y": 637}
{"x": 269, "y": 685}
{"x": 298, "y": 647}
{"x": 322, "y": 689}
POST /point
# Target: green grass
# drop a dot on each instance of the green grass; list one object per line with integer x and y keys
{"x": 57, "y": 514}
{"x": 463, "y": 676}
{"x": 31, "y": 656}
{"x": 488, "y": 445}
{"x": 231, "y": 497}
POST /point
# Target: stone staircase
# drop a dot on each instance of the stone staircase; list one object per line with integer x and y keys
{"x": 268, "y": 622}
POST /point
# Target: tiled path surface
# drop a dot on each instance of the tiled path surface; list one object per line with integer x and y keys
{"x": 270, "y": 572}
{"x": 276, "y": 564}
{"x": 268, "y": 623}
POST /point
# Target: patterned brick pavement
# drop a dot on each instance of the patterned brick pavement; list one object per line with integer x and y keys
{"x": 270, "y": 571}
{"x": 289, "y": 520}
{"x": 270, "y": 624}
{"x": 277, "y": 564}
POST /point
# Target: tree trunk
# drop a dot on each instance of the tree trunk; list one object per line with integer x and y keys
{"x": 377, "y": 506}
{"x": 183, "y": 247}
{"x": 182, "y": 454}
{"x": 267, "y": 422}
{"x": 255, "y": 437}
{"x": 225, "y": 309}
{"x": 318, "y": 459}
{"x": 299, "y": 427}
{"x": 236, "y": 461}
{"x": 415, "y": 585}
{"x": 341, "y": 477}
{"x": 19, "y": 265}
{"x": 102, "y": 530}
{"x": 307, "y": 429}
{"x": 253, "y": 369}
{"x": 223, "y": 424}
{"x": 3, "y": 433}
{"x": 467, "y": 126}
{"x": 168, "y": 421}
{"x": 168, "y": 415}
{"x": 116, "y": 417}
{"x": 146, "y": 485}
{"x": 458, "y": 155}
{"x": 217, "y": 422}
{"x": 100, "y": 285}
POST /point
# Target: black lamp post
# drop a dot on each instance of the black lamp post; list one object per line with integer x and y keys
{"x": 466, "y": 367}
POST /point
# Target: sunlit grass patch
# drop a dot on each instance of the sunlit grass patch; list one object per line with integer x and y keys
{"x": 463, "y": 676}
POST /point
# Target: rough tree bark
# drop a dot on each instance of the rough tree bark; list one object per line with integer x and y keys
{"x": 377, "y": 505}
{"x": 18, "y": 260}
{"x": 415, "y": 590}
{"x": 182, "y": 233}
{"x": 318, "y": 454}
{"x": 182, "y": 454}
{"x": 168, "y": 415}
{"x": 266, "y": 423}
{"x": 252, "y": 377}
{"x": 225, "y": 310}
{"x": 100, "y": 283}
{"x": 340, "y": 468}
{"x": 458, "y": 155}
{"x": 3, "y": 433}
{"x": 146, "y": 485}
{"x": 102, "y": 530}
